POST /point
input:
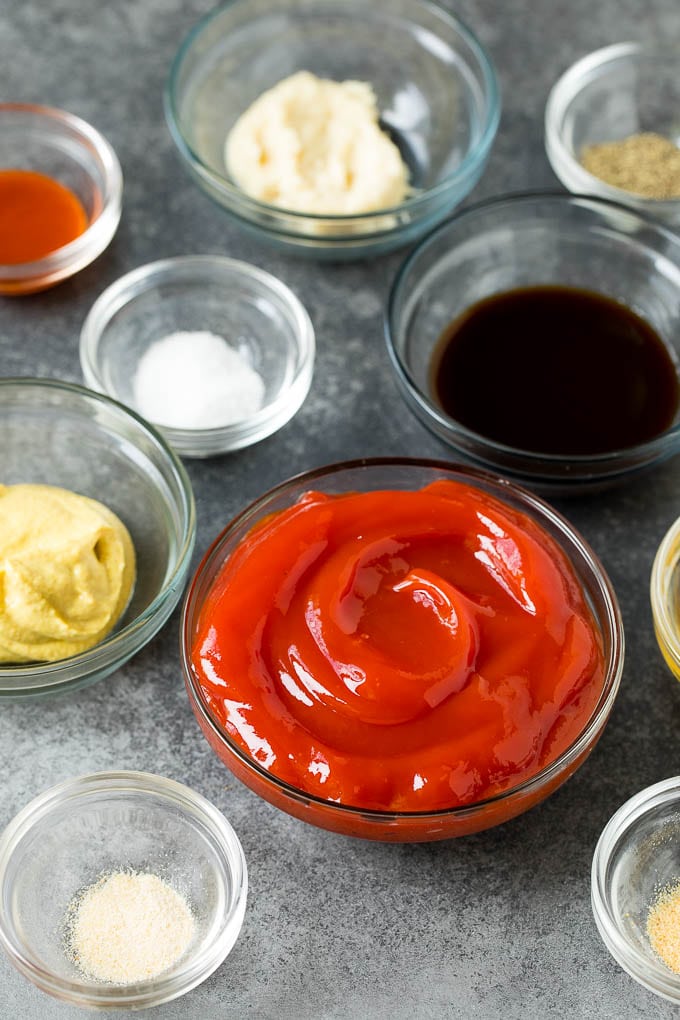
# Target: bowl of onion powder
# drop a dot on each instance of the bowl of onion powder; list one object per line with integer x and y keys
{"x": 120, "y": 890}
{"x": 215, "y": 352}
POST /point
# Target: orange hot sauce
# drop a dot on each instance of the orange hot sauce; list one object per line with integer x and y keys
{"x": 38, "y": 215}
{"x": 403, "y": 651}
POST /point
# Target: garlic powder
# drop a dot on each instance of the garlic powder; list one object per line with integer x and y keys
{"x": 127, "y": 927}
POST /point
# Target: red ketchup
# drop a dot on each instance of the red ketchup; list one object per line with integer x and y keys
{"x": 399, "y": 651}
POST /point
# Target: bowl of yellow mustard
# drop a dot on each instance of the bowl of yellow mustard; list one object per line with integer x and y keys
{"x": 97, "y": 527}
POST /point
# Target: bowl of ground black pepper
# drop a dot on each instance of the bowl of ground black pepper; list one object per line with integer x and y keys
{"x": 635, "y": 888}
{"x": 539, "y": 336}
{"x": 612, "y": 128}
{"x": 120, "y": 890}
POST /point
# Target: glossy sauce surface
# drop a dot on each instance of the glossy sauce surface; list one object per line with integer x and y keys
{"x": 38, "y": 215}
{"x": 396, "y": 650}
{"x": 556, "y": 370}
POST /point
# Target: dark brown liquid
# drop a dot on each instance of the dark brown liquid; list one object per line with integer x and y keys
{"x": 556, "y": 370}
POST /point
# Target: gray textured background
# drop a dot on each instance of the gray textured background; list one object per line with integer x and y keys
{"x": 493, "y": 925}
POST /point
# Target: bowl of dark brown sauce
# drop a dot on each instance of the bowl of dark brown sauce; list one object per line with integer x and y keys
{"x": 539, "y": 335}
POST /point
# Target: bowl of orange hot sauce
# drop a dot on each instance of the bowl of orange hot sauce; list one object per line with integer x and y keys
{"x": 61, "y": 190}
{"x": 401, "y": 650}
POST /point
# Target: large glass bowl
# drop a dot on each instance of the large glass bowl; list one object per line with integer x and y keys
{"x": 56, "y": 433}
{"x": 434, "y": 82}
{"x": 71, "y": 835}
{"x": 521, "y": 241}
{"x": 636, "y": 858}
{"x": 608, "y": 95}
{"x": 75, "y": 154}
{"x": 366, "y": 476}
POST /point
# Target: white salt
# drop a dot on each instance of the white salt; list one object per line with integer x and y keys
{"x": 195, "y": 380}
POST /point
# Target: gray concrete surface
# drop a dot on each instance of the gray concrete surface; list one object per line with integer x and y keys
{"x": 496, "y": 925}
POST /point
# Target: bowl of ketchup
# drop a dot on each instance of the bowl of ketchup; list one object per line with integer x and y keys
{"x": 401, "y": 650}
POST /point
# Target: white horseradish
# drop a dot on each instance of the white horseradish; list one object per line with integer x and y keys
{"x": 195, "y": 380}
{"x": 315, "y": 146}
{"x": 127, "y": 927}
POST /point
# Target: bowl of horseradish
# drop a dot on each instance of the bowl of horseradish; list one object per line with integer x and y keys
{"x": 216, "y": 353}
{"x": 333, "y": 130}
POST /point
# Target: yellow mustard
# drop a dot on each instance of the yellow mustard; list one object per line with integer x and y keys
{"x": 67, "y": 569}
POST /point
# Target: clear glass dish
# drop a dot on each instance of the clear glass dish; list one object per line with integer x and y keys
{"x": 435, "y": 85}
{"x": 610, "y": 94}
{"x": 254, "y": 311}
{"x": 665, "y": 597}
{"x": 636, "y": 857}
{"x": 72, "y": 152}
{"x": 56, "y": 433}
{"x": 65, "y": 839}
{"x": 520, "y": 241}
{"x": 366, "y": 476}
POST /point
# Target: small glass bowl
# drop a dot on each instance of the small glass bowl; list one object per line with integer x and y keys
{"x": 528, "y": 240}
{"x": 434, "y": 82}
{"x": 665, "y": 597}
{"x": 255, "y": 312}
{"x": 388, "y": 826}
{"x": 610, "y": 94}
{"x": 636, "y": 857}
{"x": 72, "y": 152}
{"x": 69, "y": 836}
{"x": 56, "y": 433}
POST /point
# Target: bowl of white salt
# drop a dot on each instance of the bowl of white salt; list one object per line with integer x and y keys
{"x": 216, "y": 353}
{"x": 120, "y": 890}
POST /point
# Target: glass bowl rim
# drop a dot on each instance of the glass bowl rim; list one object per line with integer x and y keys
{"x": 248, "y": 207}
{"x": 532, "y": 459}
{"x": 124, "y": 291}
{"x": 100, "y": 230}
{"x": 653, "y": 975}
{"x": 539, "y": 511}
{"x": 663, "y": 570}
{"x": 53, "y": 675}
{"x": 567, "y": 87}
{"x": 195, "y": 968}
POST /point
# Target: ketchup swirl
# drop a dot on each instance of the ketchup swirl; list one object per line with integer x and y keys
{"x": 396, "y": 650}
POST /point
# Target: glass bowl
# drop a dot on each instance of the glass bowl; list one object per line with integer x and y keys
{"x": 521, "y": 241}
{"x": 56, "y": 433}
{"x": 664, "y": 595}
{"x": 72, "y": 152}
{"x": 636, "y": 857}
{"x": 255, "y": 312}
{"x": 434, "y": 82}
{"x": 608, "y": 95}
{"x": 386, "y": 825}
{"x": 68, "y": 837}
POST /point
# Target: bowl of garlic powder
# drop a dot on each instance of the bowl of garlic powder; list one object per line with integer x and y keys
{"x": 334, "y": 129}
{"x": 120, "y": 890}
{"x": 635, "y": 889}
